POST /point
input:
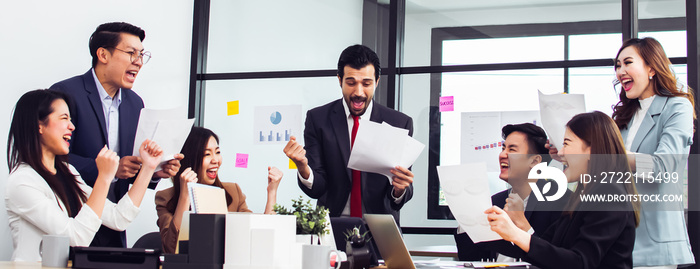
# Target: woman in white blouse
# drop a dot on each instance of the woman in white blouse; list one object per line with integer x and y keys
{"x": 45, "y": 194}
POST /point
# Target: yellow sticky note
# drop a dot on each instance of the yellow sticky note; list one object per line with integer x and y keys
{"x": 292, "y": 165}
{"x": 232, "y": 108}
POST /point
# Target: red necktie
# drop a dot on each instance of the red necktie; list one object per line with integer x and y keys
{"x": 356, "y": 193}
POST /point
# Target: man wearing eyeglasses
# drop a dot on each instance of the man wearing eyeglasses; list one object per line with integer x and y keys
{"x": 106, "y": 112}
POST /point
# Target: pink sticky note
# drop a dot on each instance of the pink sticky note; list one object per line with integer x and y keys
{"x": 447, "y": 103}
{"x": 241, "y": 160}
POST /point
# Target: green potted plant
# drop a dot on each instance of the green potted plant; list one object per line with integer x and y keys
{"x": 311, "y": 219}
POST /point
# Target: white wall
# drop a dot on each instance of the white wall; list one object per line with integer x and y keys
{"x": 43, "y": 42}
{"x": 246, "y": 36}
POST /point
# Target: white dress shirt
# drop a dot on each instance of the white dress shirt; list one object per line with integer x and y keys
{"x": 110, "y": 108}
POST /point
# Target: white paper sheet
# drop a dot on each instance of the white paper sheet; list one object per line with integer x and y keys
{"x": 404, "y": 131}
{"x": 380, "y": 147}
{"x": 556, "y": 110}
{"x": 169, "y": 128}
{"x": 467, "y": 193}
{"x": 171, "y": 135}
{"x": 412, "y": 149}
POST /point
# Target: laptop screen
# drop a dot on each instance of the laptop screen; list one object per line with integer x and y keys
{"x": 389, "y": 241}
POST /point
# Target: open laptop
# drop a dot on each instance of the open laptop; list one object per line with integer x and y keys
{"x": 389, "y": 241}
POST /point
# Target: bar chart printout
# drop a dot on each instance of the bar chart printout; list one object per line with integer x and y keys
{"x": 481, "y": 141}
{"x": 276, "y": 124}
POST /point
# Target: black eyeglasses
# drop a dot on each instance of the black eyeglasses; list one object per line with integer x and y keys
{"x": 135, "y": 55}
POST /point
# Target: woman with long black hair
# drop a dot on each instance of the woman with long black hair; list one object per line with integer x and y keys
{"x": 45, "y": 195}
{"x": 201, "y": 164}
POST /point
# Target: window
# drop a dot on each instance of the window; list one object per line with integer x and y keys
{"x": 576, "y": 61}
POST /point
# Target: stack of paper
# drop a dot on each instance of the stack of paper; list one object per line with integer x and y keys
{"x": 168, "y": 128}
{"x": 381, "y": 147}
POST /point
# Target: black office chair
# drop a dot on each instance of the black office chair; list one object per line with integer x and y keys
{"x": 150, "y": 240}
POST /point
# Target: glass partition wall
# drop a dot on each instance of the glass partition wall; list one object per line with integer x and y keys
{"x": 491, "y": 56}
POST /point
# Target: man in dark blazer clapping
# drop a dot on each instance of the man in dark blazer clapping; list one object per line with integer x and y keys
{"x": 329, "y": 133}
{"x": 105, "y": 111}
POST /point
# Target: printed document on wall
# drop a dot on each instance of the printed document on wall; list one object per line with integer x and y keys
{"x": 276, "y": 124}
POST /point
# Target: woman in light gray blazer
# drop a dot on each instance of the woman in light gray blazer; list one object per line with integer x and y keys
{"x": 656, "y": 122}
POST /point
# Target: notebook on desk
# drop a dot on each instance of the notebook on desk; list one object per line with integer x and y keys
{"x": 206, "y": 199}
{"x": 386, "y": 234}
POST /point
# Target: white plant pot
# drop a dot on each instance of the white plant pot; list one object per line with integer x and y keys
{"x": 307, "y": 239}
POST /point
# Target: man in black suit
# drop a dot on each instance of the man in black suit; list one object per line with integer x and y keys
{"x": 106, "y": 112}
{"x": 322, "y": 165}
{"x": 523, "y": 149}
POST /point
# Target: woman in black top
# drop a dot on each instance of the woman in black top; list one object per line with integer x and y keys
{"x": 589, "y": 234}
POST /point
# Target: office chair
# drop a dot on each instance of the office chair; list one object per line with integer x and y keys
{"x": 150, "y": 240}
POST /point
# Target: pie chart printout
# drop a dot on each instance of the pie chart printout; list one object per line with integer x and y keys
{"x": 276, "y": 124}
{"x": 276, "y": 117}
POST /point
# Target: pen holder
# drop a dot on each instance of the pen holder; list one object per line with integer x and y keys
{"x": 358, "y": 253}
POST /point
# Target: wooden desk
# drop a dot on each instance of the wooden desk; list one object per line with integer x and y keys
{"x": 449, "y": 251}
{"x": 37, "y": 265}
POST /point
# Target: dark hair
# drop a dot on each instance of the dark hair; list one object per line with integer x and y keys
{"x": 608, "y": 154}
{"x": 664, "y": 82}
{"x": 107, "y": 35}
{"x": 357, "y": 57}
{"x": 24, "y": 143}
{"x": 193, "y": 149}
{"x": 535, "y": 135}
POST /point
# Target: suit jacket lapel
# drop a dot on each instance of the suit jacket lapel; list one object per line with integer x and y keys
{"x": 624, "y": 133}
{"x": 375, "y": 116}
{"x": 95, "y": 101}
{"x": 648, "y": 122}
{"x": 127, "y": 125}
{"x": 340, "y": 128}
